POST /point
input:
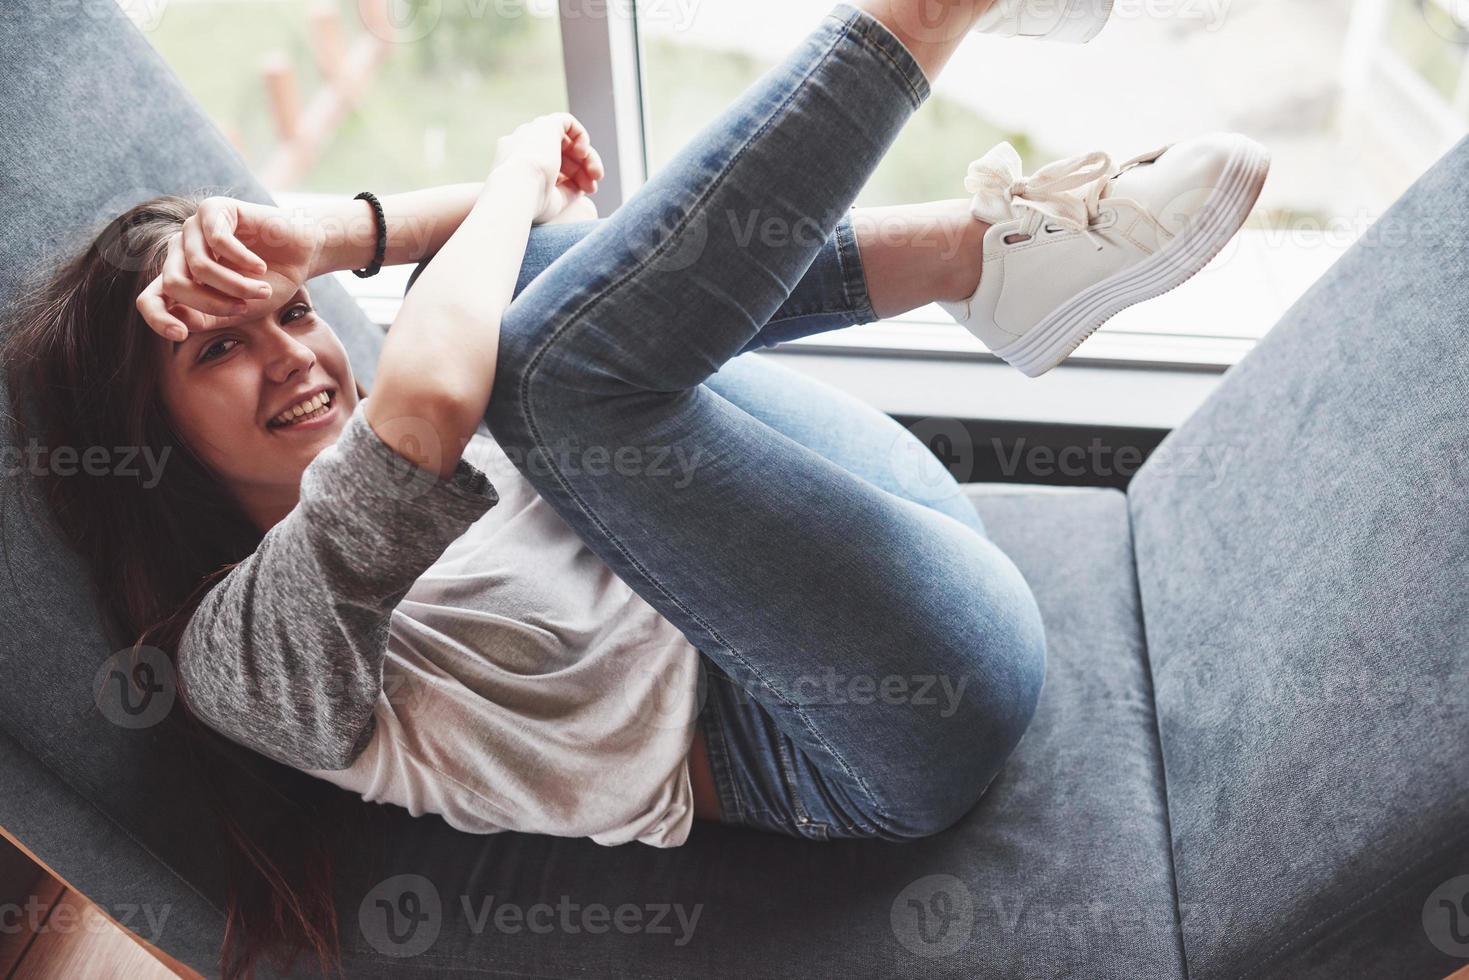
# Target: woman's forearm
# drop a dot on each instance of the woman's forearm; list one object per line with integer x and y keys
{"x": 418, "y": 224}
{"x": 438, "y": 367}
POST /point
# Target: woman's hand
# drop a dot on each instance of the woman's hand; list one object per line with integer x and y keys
{"x": 557, "y": 148}
{"x": 230, "y": 259}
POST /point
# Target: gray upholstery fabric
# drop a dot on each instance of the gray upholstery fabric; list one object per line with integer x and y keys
{"x": 1303, "y": 552}
{"x": 110, "y": 853}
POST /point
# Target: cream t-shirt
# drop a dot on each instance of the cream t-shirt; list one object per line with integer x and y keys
{"x": 451, "y": 646}
{"x": 527, "y": 687}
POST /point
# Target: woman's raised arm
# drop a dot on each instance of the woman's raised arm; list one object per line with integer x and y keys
{"x": 437, "y": 367}
{"x": 418, "y": 224}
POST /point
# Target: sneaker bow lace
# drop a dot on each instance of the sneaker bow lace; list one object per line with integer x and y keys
{"x": 1066, "y": 191}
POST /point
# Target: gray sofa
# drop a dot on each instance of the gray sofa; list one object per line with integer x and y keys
{"x": 1251, "y": 758}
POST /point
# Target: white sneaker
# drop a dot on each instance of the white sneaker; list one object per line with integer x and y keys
{"x": 1078, "y": 240}
{"x": 1073, "y": 21}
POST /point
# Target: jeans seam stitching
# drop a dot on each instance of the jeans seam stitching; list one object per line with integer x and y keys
{"x": 823, "y": 310}
{"x": 788, "y": 777}
{"x": 854, "y": 277}
{"x": 846, "y": 29}
{"x": 877, "y": 45}
{"x": 803, "y": 815}
{"x": 873, "y": 46}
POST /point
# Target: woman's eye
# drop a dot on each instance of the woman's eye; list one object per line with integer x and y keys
{"x": 209, "y": 355}
{"x": 305, "y": 311}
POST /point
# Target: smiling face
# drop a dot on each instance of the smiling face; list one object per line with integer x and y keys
{"x": 225, "y": 388}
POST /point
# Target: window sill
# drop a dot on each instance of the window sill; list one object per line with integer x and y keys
{"x": 985, "y": 388}
{"x": 1132, "y": 372}
{"x": 913, "y": 367}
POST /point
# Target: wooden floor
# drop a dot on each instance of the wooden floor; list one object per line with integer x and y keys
{"x": 63, "y": 936}
{"x": 76, "y": 940}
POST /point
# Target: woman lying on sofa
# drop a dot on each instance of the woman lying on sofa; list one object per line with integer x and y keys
{"x": 576, "y": 567}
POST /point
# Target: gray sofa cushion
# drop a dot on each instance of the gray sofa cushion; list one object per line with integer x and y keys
{"x": 1062, "y": 869}
{"x": 1303, "y": 552}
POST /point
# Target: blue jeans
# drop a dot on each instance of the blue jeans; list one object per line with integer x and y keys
{"x": 873, "y": 659}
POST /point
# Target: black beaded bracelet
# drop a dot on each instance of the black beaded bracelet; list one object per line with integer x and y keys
{"x": 382, "y": 236}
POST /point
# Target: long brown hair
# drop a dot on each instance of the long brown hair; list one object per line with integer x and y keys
{"x": 78, "y": 356}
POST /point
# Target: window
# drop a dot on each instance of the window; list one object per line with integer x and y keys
{"x": 334, "y": 96}
{"x": 1406, "y": 88}
{"x": 1284, "y": 71}
{"x": 1354, "y": 98}
{"x": 329, "y": 97}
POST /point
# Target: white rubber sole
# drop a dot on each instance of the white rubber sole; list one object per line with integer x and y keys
{"x": 1052, "y": 340}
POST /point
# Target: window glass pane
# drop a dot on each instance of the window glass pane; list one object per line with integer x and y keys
{"x": 1162, "y": 70}
{"x": 697, "y": 58}
{"x": 439, "y": 83}
{"x": 1425, "y": 34}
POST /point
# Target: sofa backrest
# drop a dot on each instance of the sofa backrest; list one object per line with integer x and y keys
{"x": 91, "y": 122}
{"x": 1303, "y": 553}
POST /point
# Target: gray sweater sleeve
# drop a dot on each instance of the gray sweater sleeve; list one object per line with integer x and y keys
{"x": 285, "y": 653}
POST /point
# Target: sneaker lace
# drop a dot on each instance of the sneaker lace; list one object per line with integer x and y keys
{"x": 1065, "y": 191}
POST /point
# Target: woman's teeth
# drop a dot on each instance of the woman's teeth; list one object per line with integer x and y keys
{"x": 307, "y": 410}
